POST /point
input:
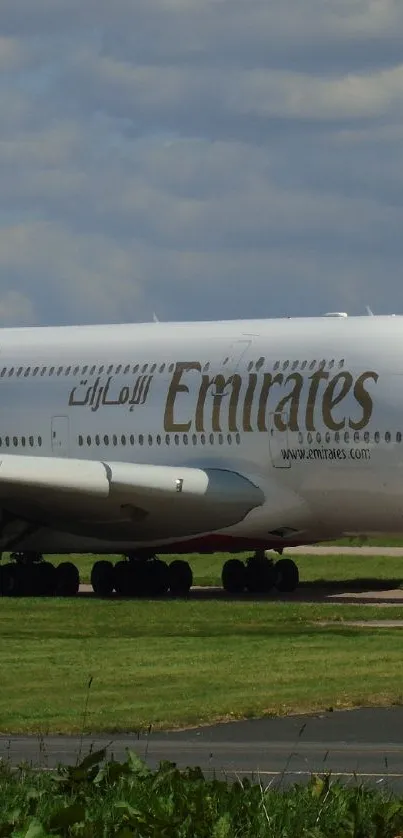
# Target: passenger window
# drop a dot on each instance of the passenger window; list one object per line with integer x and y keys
{"x": 229, "y": 439}
{"x": 123, "y": 439}
{"x": 106, "y": 439}
{"x": 67, "y": 371}
{"x": 141, "y": 439}
{"x": 3, "y": 372}
{"x": 11, "y": 372}
{"x": 131, "y": 439}
{"x": 346, "y": 437}
{"x": 88, "y": 440}
{"x": 356, "y": 436}
{"x": 15, "y": 441}
{"x": 92, "y": 370}
{"x": 318, "y": 437}
{"x": 31, "y": 441}
{"x": 158, "y": 440}
{"x": 36, "y": 370}
{"x": 135, "y": 369}
{"x": 114, "y": 439}
{"x": 203, "y": 439}
{"x": 118, "y": 369}
{"x": 150, "y": 439}
{"x": 167, "y": 439}
{"x": 366, "y": 436}
{"x": 51, "y": 371}
{"x": 19, "y": 371}
{"x": 387, "y": 436}
{"x": 211, "y": 439}
{"x": 60, "y": 370}
{"x": 97, "y": 440}
{"x": 7, "y": 441}
{"x": 23, "y": 441}
{"x": 377, "y": 436}
{"x": 27, "y": 372}
{"x": 238, "y": 439}
{"x": 80, "y": 441}
{"x": 398, "y": 436}
{"x": 176, "y": 439}
{"x": 126, "y": 369}
{"x": 194, "y": 439}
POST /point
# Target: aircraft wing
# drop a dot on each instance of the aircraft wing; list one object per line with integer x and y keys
{"x": 123, "y": 500}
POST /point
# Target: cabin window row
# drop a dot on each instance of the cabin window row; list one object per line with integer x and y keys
{"x": 349, "y": 437}
{"x": 87, "y": 369}
{"x": 158, "y": 439}
{"x": 20, "y": 442}
{"x": 303, "y": 365}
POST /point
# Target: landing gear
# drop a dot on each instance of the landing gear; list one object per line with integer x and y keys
{"x": 103, "y": 578}
{"x": 137, "y": 576}
{"x": 27, "y": 574}
{"x": 287, "y": 575}
{"x": 180, "y": 578}
{"x": 233, "y": 576}
{"x": 259, "y": 575}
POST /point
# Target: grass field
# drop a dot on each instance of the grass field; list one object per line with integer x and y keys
{"x": 185, "y": 662}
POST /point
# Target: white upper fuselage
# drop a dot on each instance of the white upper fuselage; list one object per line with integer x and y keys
{"x": 311, "y": 410}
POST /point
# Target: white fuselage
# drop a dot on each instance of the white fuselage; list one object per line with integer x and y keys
{"x": 311, "y": 410}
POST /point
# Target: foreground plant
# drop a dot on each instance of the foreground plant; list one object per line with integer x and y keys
{"x": 101, "y": 797}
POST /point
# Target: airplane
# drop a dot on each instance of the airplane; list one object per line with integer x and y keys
{"x": 150, "y": 439}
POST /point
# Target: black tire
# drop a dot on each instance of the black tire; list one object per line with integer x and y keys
{"x": 160, "y": 577}
{"x": 260, "y": 575}
{"x": 287, "y": 575}
{"x": 180, "y": 578}
{"x": 103, "y": 578}
{"x": 122, "y": 576}
{"x": 67, "y": 579}
{"x": 12, "y": 580}
{"x": 233, "y": 576}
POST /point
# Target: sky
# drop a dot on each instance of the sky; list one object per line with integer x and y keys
{"x": 199, "y": 159}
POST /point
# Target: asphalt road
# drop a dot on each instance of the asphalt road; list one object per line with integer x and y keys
{"x": 364, "y": 745}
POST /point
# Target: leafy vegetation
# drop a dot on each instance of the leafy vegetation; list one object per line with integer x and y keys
{"x": 104, "y": 798}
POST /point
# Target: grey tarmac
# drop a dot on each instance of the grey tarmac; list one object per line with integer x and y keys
{"x": 363, "y": 745}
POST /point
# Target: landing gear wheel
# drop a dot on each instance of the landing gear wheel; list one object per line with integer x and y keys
{"x": 287, "y": 575}
{"x": 11, "y": 580}
{"x": 180, "y": 578}
{"x": 102, "y": 578}
{"x": 260, "y": 575}
{"x": 159, "y": 577}
{"x": 39, "y": 579}
{"x": 122, "y": 574}
{"x": 67, "y": 579}
{"x": 233, "y": 576}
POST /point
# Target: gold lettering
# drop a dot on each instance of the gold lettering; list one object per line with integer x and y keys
{"x": 219, "y": 383}
{"x": 293, "y": 400}
{"x": 268, "y": 382}
{"x": 315, "y": 379}
{"x": 248, "y": 403}
{"x": 364, "y": 400}
{"x": 330, "y": 400}
{"x": 174, "y": 389}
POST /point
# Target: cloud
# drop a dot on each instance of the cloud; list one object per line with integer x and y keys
{"x": 200, "y": 160}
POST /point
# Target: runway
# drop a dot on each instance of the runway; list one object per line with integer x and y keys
{"x": 364, "y": 745}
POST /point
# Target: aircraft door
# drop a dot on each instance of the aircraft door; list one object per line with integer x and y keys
{"x": 60, "y": 436}
{"x": 278, "y": 441}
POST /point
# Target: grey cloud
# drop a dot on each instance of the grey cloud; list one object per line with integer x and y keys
{"x": 201, "y": 160}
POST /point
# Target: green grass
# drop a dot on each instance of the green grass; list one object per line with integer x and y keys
{"x": 391, "y": 540}
{"x": 99, "y": 799}
{"x": 178, "y": 663}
